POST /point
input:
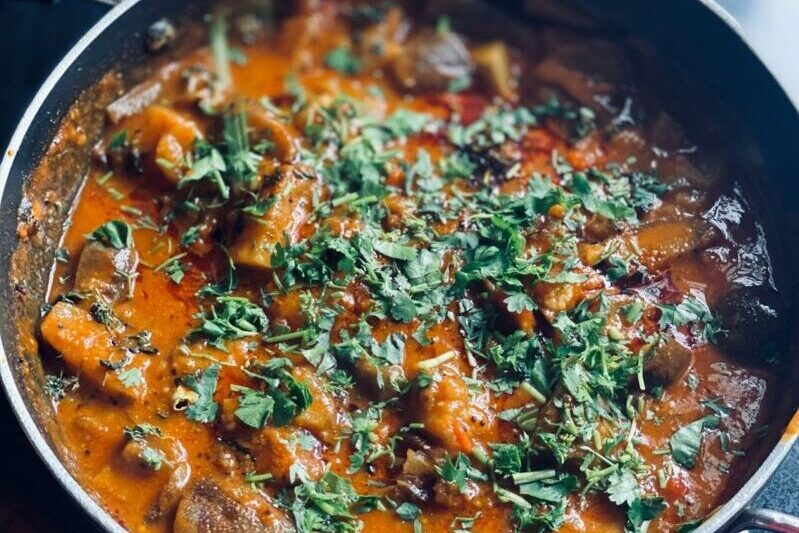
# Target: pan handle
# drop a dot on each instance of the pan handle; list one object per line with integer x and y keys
{"x": 766, "y": 519}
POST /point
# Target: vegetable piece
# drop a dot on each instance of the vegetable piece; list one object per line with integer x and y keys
{"x": 89, "y": 349}
{"x": 293, "y": 202}
{"x": 383, "y": 381}
{"x": 451, "y": 415}
{"x": 663, "y": 242}
{"x": 264, "y": 125}
{"x": 134, "y": 101}
{"x": 667, "y": 363}
{"x": 165, "y": 134}
{"x": 108, "y": 262}
{"x": 323, "y": 416}
{"x": 170, "y": 493}
{"x": 494, "y": 67}
{"x": 554, "y": 298}
{"x": 687, "y": 441}
{"x": 751, "y": 318}
{"x": 206, "y": 508}
{"x": 106, "y": 271}
{"x": 432, "y": 60}
{"x": 287, "y": 453}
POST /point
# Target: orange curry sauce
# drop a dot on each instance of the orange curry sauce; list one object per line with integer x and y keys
{"x": 287, "y": 84}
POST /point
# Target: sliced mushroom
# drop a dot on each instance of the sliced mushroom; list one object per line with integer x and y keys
{"x": 206, "y": 508}
{"x": 134, "y": 101}
{"x": 104, "y": 270}
{"x": 667, "y": 363}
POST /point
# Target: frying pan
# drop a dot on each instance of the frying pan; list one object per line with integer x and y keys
{"x": 695, "y": 40}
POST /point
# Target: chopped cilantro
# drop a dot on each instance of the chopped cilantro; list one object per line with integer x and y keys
{"x": 342, "y": 60}
{"x": 115, "y": 234}
{"x": 203, "y": 384}
{"x": 686, "y": 441}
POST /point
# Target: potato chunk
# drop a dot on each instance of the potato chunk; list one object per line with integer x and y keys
{"x": 383, "y": 382}
{"x": 263, "y": 122}
{"x": 293, "y": 203}
{"x": 84, "y": 344}
{"x": 452, "y": 416}
{"x": 323, "y": 417}
{"x": 663, "y": 242}
{"x": 164, "y": 136}
{"x": 287, "y": 450}
{"x": 157, "y": 121}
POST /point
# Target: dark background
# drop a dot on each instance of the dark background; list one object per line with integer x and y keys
{"x": 35, "y": 35}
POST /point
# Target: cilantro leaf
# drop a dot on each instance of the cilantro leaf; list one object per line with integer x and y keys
{"x": 233, "y": 317}
{"x": 507, "y": 458}
{"x": 686, "y": 441}
{"x": 341, "y": 59}
{"x": 459, "y": 472}
{"x": 691, "y": 310}
{"x": 56, "y": 386}
{"x": 623, "y": 487}
{"x": 408, "y": 511}
{"x": 115, "y": 233}
{"x": 644, "y": 509}
{"x": 254, "y": 408}
{"x": 203, "y": 383}
{"x": 550, "y": 491}
{"x": 395, "y": 250}
{"x": 519, "y": 301}
{"x": 132, "y": 377}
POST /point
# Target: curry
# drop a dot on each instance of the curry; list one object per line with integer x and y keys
{"x": 346, "y": 270}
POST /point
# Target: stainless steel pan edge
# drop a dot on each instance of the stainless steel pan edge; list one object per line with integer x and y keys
{"x": 734, "y": 513}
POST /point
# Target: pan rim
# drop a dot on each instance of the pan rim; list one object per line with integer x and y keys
{"x": 721, "y": 517}
{"x": 33, "y": 432}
